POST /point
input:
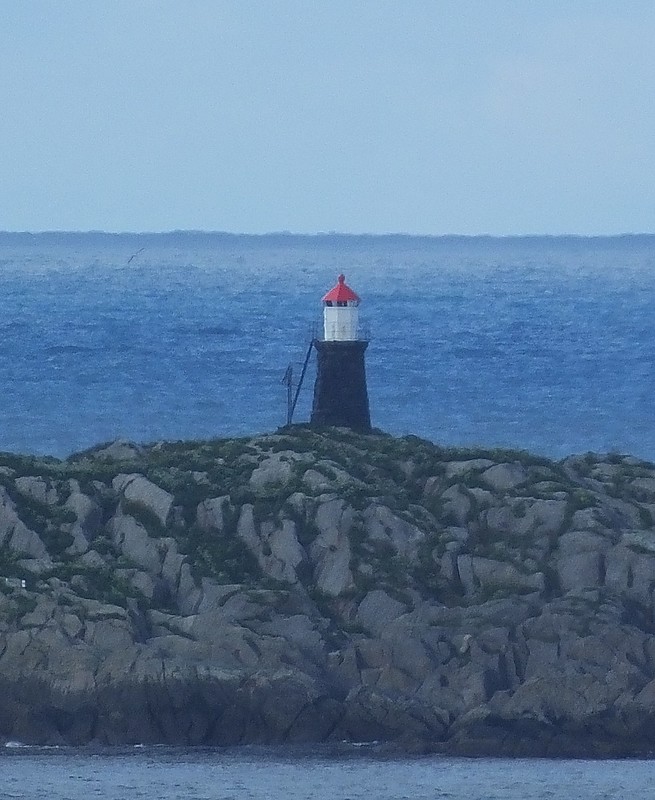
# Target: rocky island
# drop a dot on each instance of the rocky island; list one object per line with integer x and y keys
{"x": 311, "y": 586}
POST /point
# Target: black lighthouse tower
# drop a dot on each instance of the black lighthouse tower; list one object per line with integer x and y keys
{"x": 340, "y": 395}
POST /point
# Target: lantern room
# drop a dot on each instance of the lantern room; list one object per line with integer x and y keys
{"x": 340, "y": 313}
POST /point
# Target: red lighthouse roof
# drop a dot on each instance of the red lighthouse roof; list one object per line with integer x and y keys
{"x": 341, "y": 293}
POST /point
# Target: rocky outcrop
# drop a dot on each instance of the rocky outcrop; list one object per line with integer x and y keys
{"x": 144, "y": 494}
{"x": 311, "y": 586}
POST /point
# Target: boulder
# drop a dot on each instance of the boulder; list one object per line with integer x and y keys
{"x": 639, "y": 540}
{"x": 87, "y": 512}
{"x": 330, "y": 554}
{"x": 503, "y": 477}
{"x": 579, "y": 571}
{"x": 457, "y": 504}
{"x": 37, "y": 489}
{"x": 455, "y": 469}
{"x": 135, "y": 544}
{"x": 377, "y": 610}
{"x": 381, "y": 525}
{"x": 330, "y": 551}
{"x": 25, "y": 542}
{"x": 271, "y": 471}
{"x": 138, "y": 489}
{"x": 275, "y": 545}
{"x": 92, "y": 559}
{"x": 534, "y": 517}
{"x": 646, "y": 485}
{"x": 499, "y": 576}
{"x": 210, "y": 513}
{"x": 189, "y": 595}
{"x": 88, "y": 518}
{"x": 579, "y": 560}
{"x": 315, "y": 481}
{"x": 118, "y": 450}
{"x": 8, "y": 515}
{"x": 172, "y": 564}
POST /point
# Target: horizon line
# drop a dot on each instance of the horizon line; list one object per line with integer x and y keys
{"x": 319, "y": 234}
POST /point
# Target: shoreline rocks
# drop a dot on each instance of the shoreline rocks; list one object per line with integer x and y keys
{"x": 321, "y": 586}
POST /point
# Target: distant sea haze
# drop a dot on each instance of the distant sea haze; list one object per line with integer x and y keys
{"x": 538, "y": 343}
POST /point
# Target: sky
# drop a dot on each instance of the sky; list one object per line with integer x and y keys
{"x": 435, "y": 117}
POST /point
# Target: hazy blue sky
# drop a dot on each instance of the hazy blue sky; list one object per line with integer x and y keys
{"x": 435, "y": 116}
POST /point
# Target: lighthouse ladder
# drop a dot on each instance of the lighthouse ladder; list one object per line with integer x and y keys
{"x": 291, "y": 404}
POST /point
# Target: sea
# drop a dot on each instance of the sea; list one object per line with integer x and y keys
{"x": 545, "y": 344}
{"x": 538, "y": 343}
{"x": 308, "y": 774}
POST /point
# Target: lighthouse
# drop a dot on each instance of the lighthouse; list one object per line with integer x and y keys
{"x": 340, "y": 395}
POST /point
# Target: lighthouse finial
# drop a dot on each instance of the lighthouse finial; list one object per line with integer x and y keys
{"x": 342, "y": 278}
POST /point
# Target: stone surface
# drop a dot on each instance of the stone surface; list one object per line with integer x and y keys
{"x": 24, "y": 542}
{"x": 135, "y": 544}
{"x": 138, "y": 489}
{"x": 275, "y": 546}
{"x": 502, "y": 477}
{"x": 377, "y": 610}
{"x": 210, "y": 513}
{"x": 271, "y": 471}
{"x": 391, "y": 598}
{"x": 37, "y": 488}
{"x": 118, "y": 450}
{"x": 382, "y": 525}
{"x": 456, "y": 468}
{"x": 330, "y": 552}
{"x": 457, "y": 504}
{"x": 491, "y": 575}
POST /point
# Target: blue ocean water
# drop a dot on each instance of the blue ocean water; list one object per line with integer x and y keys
{"x": 168, "y": 774}
{"x": 542, "y": 343}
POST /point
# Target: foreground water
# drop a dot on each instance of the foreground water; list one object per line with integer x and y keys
{"x": 266, "y": 774}
{"x": 540, "y": 343}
